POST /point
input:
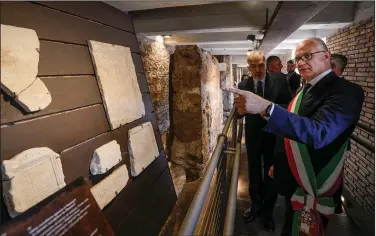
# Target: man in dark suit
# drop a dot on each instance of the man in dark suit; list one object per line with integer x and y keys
{"x": 293, "y": 78}
{"x": 259, "y": 143}
{"x": 322, "y": 123}
{"x": 339, "y": 63}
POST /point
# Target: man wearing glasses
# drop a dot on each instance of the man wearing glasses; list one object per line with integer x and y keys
{"x": 316, "y": 126}
{"x": 260, "y": 144}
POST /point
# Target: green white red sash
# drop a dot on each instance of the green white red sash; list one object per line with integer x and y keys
{"x": 314, "y": 191}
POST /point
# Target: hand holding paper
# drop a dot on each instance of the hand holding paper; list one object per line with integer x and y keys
{"x": 248, "y": 102}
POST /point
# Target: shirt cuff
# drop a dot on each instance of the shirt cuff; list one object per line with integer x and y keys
{"x": 272, "y": 109}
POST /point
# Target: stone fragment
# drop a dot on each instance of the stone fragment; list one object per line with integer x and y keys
{"x": 116, "y": 75}
{"x": 142, "y": 147}
{"x": 105, "y": 157}
{"x": 30, "y": 177}
{"x": 107, "y": 189}
{"x": 34, "y": 98}
{"x": 19, "y": 68}
{"x": 19, "y": 58}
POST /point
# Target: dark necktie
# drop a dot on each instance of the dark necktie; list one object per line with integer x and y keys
{"x": 306, "y": 87}
{"x": 259, "y": 89}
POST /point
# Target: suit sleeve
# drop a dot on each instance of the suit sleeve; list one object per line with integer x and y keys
{"x": 338, "y": 112}
{"x": 285, "y": 96}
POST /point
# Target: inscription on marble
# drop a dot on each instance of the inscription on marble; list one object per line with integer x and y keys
{"x": 116, "y": 76}
{"x": 105, "y": 157}
{"x": 30, "y": 177}
{"x": 142, "y": 147}
{"x": 106, "y": 190}
{"x": 19, "y": 68}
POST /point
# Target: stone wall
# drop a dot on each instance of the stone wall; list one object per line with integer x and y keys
{"x": 284, "y": 58}
{"x": 197, "y": 108}
{"x": 156, "y": 59}
{"x": 356, "y": 42}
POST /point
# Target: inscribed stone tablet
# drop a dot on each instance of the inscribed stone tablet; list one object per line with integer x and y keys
{"x": 142, "y": 147}
{"x": 105, "y": 157}
{"x": 19, "y": 68}
{"x": 117, "y": 81}
{"x": 30, "y": 177}
{"x": 107, "y": 189}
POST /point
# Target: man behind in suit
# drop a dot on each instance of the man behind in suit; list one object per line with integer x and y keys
{"x": 274, "y": 65}
{"x": 338, "y": 63}
{"x": 293, "y": 78}
{"x": 260, "y": 144}
{"x": 328, "y": 113}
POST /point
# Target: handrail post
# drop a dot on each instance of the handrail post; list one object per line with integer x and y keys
{"x": 231, "y": 203}
{"x": 193, "y": 214}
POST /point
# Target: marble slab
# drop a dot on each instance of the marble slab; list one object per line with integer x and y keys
{"x": 105, "y": 157}
{"x": 30, "y": 177}
{"x": 19, "y": 68}
{"x": 142, "y": 147}
{"x": 106, "y": 190}
{"x": 116, "y": 76}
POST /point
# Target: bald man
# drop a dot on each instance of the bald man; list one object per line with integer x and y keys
{"x": 317, "y": 126}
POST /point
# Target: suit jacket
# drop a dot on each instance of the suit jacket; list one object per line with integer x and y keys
{"x": 294, "y": 82}
{"x": 275, "y": 90}
{"x": 328, "y": 114}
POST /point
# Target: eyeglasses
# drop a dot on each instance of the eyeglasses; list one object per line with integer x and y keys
{"x": 305, "y": 57}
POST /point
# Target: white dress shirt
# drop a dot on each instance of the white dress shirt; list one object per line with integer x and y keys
{"x": 312, "y": 82}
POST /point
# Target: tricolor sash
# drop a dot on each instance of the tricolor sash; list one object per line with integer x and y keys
{"x": 313, "y": 196}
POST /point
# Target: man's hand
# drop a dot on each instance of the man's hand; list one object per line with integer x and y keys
{"x": 248, "y": 102}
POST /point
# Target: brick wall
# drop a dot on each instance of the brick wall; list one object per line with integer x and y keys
{"x": 356, "y": 42}
{"x": 284, "y": 58}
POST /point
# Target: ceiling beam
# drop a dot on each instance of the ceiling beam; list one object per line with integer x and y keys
{"x": 336, "y": 11}
{"x": 289, "y": 18}
{"x": 211, "y": 38}
{"x": 244, "y": 52}
{"x": 251, "y": 14}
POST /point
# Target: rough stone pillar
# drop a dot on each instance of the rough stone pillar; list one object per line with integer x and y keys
{"x": 156, "y": 59}
{"x": 197, "y": 108}
{"x": 227, "y": 81}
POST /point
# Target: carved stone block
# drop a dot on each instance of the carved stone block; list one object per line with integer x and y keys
{"x": 30, "y": 177}
{"x": 142, "y": 147}
{"x": 107, "y": 189}
{"x": 105, "y": 157}
{"x": 19, "y": 68}
{"x": 116, "y": 75}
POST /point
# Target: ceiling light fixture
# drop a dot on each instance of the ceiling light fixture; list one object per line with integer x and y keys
{"x": 167, "y": 36}
{"x": 251, "y": 38}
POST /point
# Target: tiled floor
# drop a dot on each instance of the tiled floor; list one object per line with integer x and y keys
{"x": 340, "y": 225}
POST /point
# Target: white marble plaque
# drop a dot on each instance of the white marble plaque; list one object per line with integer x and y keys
{"x": 105, "y": 157}
{"x": 107, "y": 189}
{"x": 35, "y": 98}
{"x": 116, "y": 75}
{"x": 19, "y": 68}
{"x": 142, "y": 147}
{"x": 30, "y": 177}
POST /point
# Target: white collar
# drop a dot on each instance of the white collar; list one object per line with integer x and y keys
{"x": 319, "y": 77}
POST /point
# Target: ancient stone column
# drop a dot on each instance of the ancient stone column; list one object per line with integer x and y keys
{"x": 227, "y": 81}
{"x": 197, "y": 108}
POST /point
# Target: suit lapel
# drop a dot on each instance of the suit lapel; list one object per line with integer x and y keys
{"x": 250, "y": 85}
{"x": 314, "y": 95}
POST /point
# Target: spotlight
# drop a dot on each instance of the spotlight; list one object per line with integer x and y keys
{"x": 167, "y": 36}
{"x": 249, "y": 52}
{"x": 251, "y": 38}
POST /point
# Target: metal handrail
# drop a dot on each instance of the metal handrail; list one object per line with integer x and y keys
{"x": 231, "y": 203}
{"x": 193, "y": 214}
